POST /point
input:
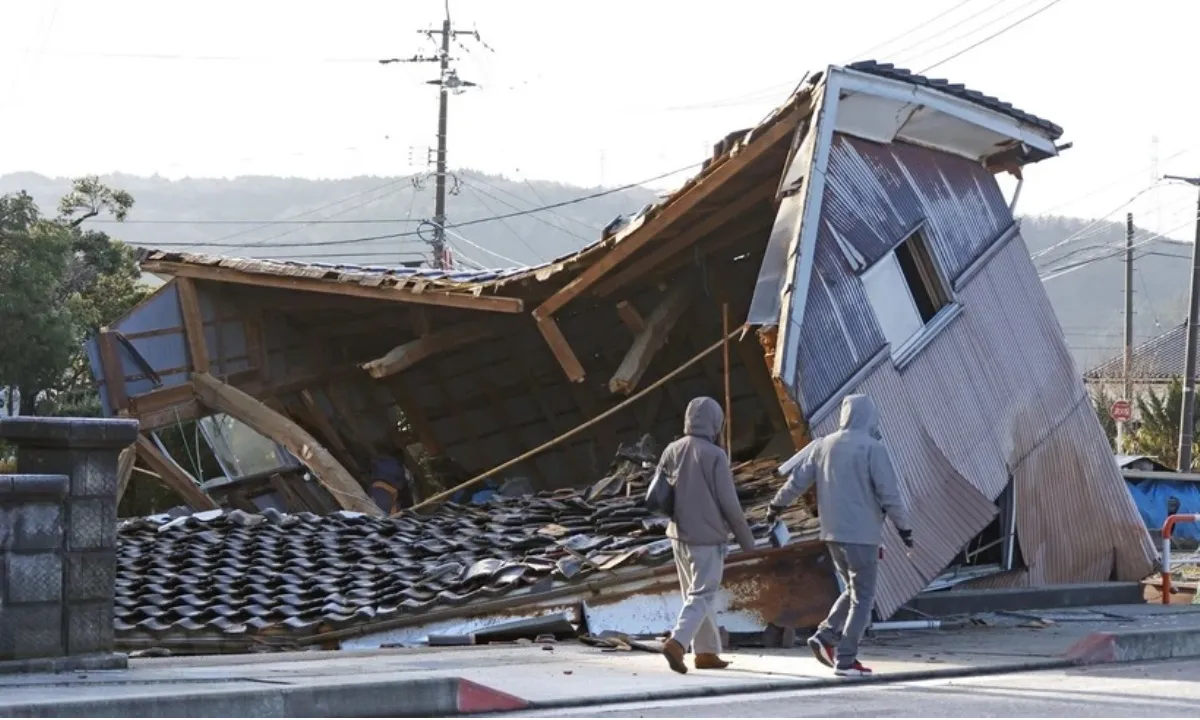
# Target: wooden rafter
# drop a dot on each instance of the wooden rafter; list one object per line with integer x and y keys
{"x": 630, "y": 316}
{"x": 403, "y": 357}
{"x": 567, "y": 359}
{"x": 193, "y": 324}
{"x": 650, "y": 340}
{"x": 720, "y": 221}
{"x": 467, "y": 301}
{"x": 700, "y": 191}
{"x": 271, "y": 424}
{"x": 172, "y": 475}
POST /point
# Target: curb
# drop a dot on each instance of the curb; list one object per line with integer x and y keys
{"x": 1125, "y": 646}
{"x": 796, "y": 684}
{"x": 422, "y": 697}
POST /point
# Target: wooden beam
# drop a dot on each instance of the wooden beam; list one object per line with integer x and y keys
{"x": 797, "y": 426}
{"x": 291, "y": 500}
{"x": 699, "y": 191}
{"x": 566, "y": 357}
{"x": 396, "y": 293}
{"x": 728, "y": 214}
{"x": 650, "y": 340}
{"x": 125, "y": 463}
{"x": 320, "y": 422}
{"x": 172, "y": 475}
{"x": 630, "y": 316}
{"x": 403, "y": 357}
{"x": 113, "y": 370}
{"x": 271, "y": 424}
{"x": 193, "y": 323}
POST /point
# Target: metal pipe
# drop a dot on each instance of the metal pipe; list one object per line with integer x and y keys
{"x": 907, "y": 625}
{"x": 1167, "y": 529}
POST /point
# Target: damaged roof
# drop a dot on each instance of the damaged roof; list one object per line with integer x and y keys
{"x": 1159, "y": 358}
{"x": 238, "y": 579}
{"x": 887, "y": 70}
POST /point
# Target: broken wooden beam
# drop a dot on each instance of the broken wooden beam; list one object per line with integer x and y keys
{"x": 398, "y": 293}
{"x": 271, "y": 424}
{"x": 403, "y": 357}
{"x": 113, "y": 370}
{"x": 630, "y": 316}
{"x": 172, "y": 475}
{"x": 650, "y": 340}
{"x": 193, "y": 323}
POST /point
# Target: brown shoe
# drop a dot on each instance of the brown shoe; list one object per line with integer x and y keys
{"x": 710, "y": 661}
{"x": 673, "y": 652}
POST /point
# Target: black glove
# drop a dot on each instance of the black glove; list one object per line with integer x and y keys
{"x": 773, "y": 514}
{"x": 906, "y": 538}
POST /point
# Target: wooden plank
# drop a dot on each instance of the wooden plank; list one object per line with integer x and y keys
{"x": 797, "y": 426}
{"x": 113, "y": 371}
{"x": 566, "y": 357}
{"x": 125, "y": 462}
{"x": 172, "y": 475}
{"x": 160, "y": 398}
{"x": 193, "y": 324}
{"x": 403, "y": 357}
{"x": 700, "y": 191}
{"x": 271, "y": 424}
{"x": 631, "y": 317}
{"x": 729, "y": 213}
{"x": 291, "y": 500}
{"x": 256, "y": 343}
{"x": 320, "y": 421}
{"x": 650, "y": 340}
{"x": 490, "y": 303}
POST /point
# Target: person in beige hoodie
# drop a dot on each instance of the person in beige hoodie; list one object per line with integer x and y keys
{"x": 706, "y": 511}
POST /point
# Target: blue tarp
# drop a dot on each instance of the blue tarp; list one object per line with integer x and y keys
{"x": 1151, "y": 497}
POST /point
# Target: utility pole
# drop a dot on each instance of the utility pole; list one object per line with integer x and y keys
{"x": 447, "y": 82}
{"x": 1187, "y": 422}
{"x": 1127, "y": 365}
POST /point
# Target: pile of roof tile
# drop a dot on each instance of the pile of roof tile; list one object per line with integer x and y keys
{"x": 237, "y": 575}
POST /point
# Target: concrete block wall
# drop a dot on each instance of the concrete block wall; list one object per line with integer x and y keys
{"x": 58, "y": 520}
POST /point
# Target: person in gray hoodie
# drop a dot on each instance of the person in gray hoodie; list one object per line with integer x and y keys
{"x": 706, "y": 510}
{"x": 856, "y": 489}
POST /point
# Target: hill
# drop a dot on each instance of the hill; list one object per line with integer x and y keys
{"x": 327, "y": 221}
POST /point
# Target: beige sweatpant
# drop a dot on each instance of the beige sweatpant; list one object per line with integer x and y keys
{"x": 700, "y": 568}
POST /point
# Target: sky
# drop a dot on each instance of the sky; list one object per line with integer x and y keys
{"x": 587, "y": 93}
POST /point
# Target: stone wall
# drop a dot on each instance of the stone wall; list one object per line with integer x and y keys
{"x": 58, "y": 520}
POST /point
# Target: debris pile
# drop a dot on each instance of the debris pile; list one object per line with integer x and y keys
{"x": 235, "y": 574}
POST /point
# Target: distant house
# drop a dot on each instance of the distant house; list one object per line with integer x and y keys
{"x": 859, "y": 231}
{"x": 1153, "y": 363}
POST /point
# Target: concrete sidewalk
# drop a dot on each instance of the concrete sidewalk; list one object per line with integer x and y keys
{"x": 455, "y": 681}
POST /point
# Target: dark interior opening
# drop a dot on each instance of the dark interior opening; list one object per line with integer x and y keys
{"x": 917, "y": 266}
{"x": 997, "y": 544}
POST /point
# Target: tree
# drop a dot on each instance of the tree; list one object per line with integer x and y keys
{"x": 59, "y": 284}
{"x": 1158, "y": 434}
{"x": 1102, "y": 402}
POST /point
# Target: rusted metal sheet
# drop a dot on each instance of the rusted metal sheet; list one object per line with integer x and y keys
{"x": 997, "y": 392}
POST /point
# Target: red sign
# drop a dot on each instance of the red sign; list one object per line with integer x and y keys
{"x": 1121, "y": 411}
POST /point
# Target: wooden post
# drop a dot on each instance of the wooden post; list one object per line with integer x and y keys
{"x": 728, "y": 387}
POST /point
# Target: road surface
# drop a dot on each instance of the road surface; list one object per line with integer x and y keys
{"x": 1170, "y": 689}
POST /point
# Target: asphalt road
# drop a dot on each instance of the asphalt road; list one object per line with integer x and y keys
{"x": 1170, "y": 689}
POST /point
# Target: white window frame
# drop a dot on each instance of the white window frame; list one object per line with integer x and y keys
{"x": 891, "y": 299}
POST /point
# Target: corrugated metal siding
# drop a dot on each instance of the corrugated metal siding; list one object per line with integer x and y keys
{"x": 997, "y": 390}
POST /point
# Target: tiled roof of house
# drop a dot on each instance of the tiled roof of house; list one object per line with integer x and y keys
{"x": 888, "y": 70}
{"x": 231, "y": 576}
{"x": 1159, "y": 358}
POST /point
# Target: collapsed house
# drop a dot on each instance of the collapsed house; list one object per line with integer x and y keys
{"x": 855, "y": 241}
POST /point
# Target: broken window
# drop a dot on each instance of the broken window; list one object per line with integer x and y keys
{"x": 997, "y": 545}
{"x": 905, "y": 290}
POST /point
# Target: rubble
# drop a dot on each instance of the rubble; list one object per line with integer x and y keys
{"x": 280, "y": 577}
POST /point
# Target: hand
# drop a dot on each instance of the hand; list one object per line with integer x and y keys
{"x": 773, "y": 514}
{"x": 906, "y": 538}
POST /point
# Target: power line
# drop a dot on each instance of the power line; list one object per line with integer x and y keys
{"x": 948, "y": 39}
{"x": 264, "y": 223}
{"x": 505, "y": 223}
{"x": 993, "y": 36}
{"x": 465, "y": 223}
{"x": 510, "y": 206}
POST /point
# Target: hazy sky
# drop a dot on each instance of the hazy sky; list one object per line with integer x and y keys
{"x": 582, "y": 92}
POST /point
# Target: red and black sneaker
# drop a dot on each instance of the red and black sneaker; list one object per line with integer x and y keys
{"x": 855, "y": 670}
{"x": 821, "y": 650}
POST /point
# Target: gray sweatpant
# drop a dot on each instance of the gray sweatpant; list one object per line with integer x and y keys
{"x": 700, "y": 568}
{"x": 857, "y": 567}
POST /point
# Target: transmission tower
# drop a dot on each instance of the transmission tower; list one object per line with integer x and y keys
{"x": 448, "y": 82}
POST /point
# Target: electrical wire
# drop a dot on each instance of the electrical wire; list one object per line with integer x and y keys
{"x": 520, "y": 238}
{"x": 542, "y": 220}
{"x": 993, "y": 36}
{"x": 465, "y": 223}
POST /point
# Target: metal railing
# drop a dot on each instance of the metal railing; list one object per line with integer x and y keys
{"x": 1167, "y": 529}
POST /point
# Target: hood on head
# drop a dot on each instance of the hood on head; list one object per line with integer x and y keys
{"x": 703, "y": 418}
{"x": 859, "y": 413}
